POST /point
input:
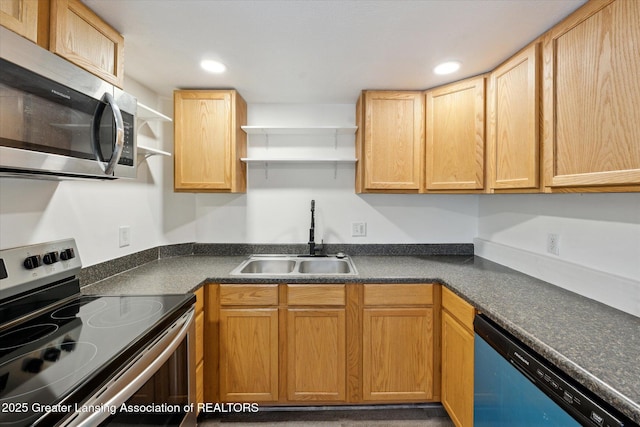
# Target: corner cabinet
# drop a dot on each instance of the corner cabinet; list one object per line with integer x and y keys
{"x": 591, "y": 93}
{"x": 457, "y": 358}
{"x": 209, "y": 142}
{"x": 455, "y": 136}
{"x": 390, "y": 141}
{"x": 513, "y": 143}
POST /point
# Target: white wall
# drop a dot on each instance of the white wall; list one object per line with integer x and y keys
{"x": 276, "y": 207}
{"x": 599, "y": 247}
{"x": 599, "y": 233}
{"x": 34, "y": 211}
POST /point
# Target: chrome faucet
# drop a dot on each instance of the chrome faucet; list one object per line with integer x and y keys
{"x": 312, "y": 244}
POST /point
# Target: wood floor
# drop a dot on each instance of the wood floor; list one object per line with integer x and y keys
{"x": 412, "y": 416}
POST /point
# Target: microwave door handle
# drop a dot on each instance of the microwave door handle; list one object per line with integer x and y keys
{"x": 118, "y": 145}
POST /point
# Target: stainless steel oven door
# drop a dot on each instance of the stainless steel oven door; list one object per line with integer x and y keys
{"x": 156, "y": 388}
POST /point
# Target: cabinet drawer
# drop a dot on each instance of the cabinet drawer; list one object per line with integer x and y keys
{"x": 459, "y": 308}
{"x": 249, "y": 295}
{"x": 316, "y": 294}
{"x": 398, "y": 294}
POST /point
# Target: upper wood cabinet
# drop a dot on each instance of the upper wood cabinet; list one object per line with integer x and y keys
{"x": 209, "y": 142}
{"x": 30, "y": 19}
{"x": 591, "y": 98}
{"x": 389, "y": 141}
{"x": 80, "y": 36}
{"x": 513, "y": 147}
{"x": 455, "y": 136}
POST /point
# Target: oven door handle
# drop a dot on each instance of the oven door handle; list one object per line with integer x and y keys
{"x": 118, "y": 140}
{"x": 119, "y": 389}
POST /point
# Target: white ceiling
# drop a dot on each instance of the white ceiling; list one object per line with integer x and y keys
{"x": 322, "y": 51}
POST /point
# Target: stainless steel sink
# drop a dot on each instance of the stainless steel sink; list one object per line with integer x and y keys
{"x": 268, "y": 266}
{"x": 324, "y": 266}
{"x": 292, "y": 265}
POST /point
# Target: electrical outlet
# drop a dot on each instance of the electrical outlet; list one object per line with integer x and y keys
{"x": 124, "y": 233}
{"x": 358, "y": 229}
{"x": 553, "y": 243}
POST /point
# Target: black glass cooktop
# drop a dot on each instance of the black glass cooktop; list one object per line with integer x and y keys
{"x": 61, "y": 356}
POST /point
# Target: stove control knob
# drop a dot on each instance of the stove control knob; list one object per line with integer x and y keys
{"x": 51, "y": 354}
{"x": 50, "y": 258}
{"x": 32, "y": 365}
{"x": 67, "y": 254}
{"x": 33, "y": 261}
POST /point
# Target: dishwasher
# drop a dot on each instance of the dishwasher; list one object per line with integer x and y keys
{"x": 514, "y": 386}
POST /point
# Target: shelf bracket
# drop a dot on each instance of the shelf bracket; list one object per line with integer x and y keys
{"x": 266, "y": 169}
{"x": 335, "y": 170}
{"x": 335, "y": 139}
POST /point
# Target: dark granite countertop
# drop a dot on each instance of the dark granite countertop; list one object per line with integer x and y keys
{"x": 593, "y": 343}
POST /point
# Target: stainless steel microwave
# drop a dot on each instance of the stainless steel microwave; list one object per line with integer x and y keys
{"x": 58, "y": 121}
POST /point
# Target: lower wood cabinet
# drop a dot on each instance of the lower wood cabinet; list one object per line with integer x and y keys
{"x": 248, "y": 343}
{"x": 398, "y": 343}
{"x": 316, "y": 343}
{"x": 457, "y": 358}
{"x": 249, "y": 354}
{"x": 322, "y": 343}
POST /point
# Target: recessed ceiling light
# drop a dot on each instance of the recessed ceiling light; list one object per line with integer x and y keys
{"x": 213, "y": 66}
{"x": 447, "y": 67}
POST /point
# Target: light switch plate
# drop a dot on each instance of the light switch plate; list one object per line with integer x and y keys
{"x": 358, "y": 229}
{"x": 124, "y": 234}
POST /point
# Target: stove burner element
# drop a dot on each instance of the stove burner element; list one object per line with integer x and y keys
{"x": 22, "y": 336}
{"x": 72, "y": 310}
{"x": 126, "y": 313}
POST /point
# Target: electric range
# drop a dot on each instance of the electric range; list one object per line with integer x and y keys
{"x": 65, "y": 358}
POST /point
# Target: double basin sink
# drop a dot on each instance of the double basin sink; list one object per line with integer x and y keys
{"x": 300, "y": 265}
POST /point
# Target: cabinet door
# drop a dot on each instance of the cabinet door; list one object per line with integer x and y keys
{"x": 208, "y": 141}
{"x": 455, "y": 136}
{"x": 316, "y": 354}
{"x": 248, "y": 354}
{"x": 457, "y": 371}
{"x": 397, "y": 354}
{"x": 513, "y": 158}
{"x": 591, "y": 93}
{"x": 80, "y": 36}
{"x": 20, "y": 17}
{"x": 392, "y": 140}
